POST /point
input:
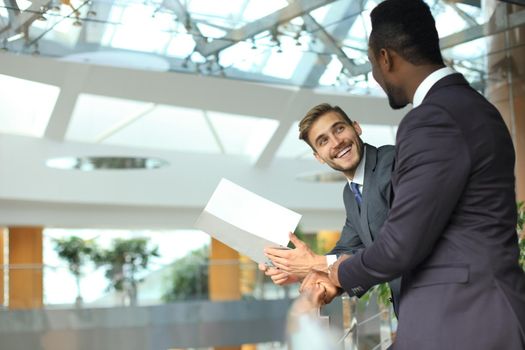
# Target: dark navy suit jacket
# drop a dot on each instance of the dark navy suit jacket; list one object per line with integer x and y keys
{"x": 451, "y": 229}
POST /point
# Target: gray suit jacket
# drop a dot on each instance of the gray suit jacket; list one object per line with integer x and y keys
{"x": 362, "y": 226}
{"x": 451, "y": 229}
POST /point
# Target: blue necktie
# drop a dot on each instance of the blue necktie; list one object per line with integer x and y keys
{"x": 357, "y": 193}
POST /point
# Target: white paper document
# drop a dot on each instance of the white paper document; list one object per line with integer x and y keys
{"x": 245, "y": 221}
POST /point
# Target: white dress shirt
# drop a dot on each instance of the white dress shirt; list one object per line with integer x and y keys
{"x": 359, "y": 179}
{"x": 425, "y": 86}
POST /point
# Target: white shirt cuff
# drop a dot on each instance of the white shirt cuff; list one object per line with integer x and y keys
{"x": 330, "y": 259}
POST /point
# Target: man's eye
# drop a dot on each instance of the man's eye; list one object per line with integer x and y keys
{"x": 340, "y": 128}
{"x": 322, "y": 142}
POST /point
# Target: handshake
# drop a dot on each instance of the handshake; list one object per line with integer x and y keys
{"x": 319, "y": 282}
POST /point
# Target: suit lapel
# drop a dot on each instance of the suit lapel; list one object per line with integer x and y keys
{"x": 371, "y": 160}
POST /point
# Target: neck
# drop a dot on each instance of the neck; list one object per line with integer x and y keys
{"x": 349, "y": 174}
{"x": 415, "y": 76}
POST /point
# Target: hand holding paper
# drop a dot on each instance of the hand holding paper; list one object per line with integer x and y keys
{"x": 245, "y": 221}
{"x": 296, "y": 262}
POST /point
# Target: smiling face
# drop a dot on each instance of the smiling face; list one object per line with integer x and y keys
{"x": 336, "y": 142}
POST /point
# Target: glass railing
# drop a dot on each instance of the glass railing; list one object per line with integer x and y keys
{"x": 355, "y": 324}
{"x": 345, "y": 324}
{"x": 25, "y": 286}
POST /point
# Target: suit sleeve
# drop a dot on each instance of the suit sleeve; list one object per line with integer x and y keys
{"x": 431, "y": 170}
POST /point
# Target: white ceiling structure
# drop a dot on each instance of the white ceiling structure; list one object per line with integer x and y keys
{"x": 214, "y": 91}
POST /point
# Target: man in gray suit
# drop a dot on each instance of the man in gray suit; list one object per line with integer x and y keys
{"x": 335, "y": 140}
{"x": 451, "y": 229}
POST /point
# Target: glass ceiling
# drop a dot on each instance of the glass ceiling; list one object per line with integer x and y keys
{"x": 311, "y": 43}
{"x": 307, "y": 43}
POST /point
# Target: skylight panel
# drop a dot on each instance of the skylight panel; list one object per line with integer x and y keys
{"x": 260, "y": 8}
{"x": 23, "y": 4}
{"x": 181, "y": 46}
{"x": 283, "y": 64}
{"x": 3, "y": 12}
{"x": 95, "y": 117}
{"x": 242, "y": 135}
{"x": 332, "y": 72}
{"x": 359, "y": 29}
{"x": 94, "y": 31}
{"x": 26, "y": 105}
{"x": 357, "y": 56}
{"x": 474, "y": 12}
{"x": 168, "y": 128}
{"x": 210, "y": 31}
{"x": 140, "y": 28}
{"x": 447, "y": 20}
{"x": 320, "y": 13}
{"x": 243, "y": 56}
{"x": 361, "y": 86}
{"x": 206, "y": 9}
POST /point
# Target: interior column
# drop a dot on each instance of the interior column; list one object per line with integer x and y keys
{"x": 224, "y": 276}
{"x": 25, "y": 273}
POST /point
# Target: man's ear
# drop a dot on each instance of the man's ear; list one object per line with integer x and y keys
{"x": 385, "y": 60}
{"x": 357, "y": 128}
{"x": 319, "y": 159}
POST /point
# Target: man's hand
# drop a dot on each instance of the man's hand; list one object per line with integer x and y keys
{"x": 334, "y": 269}
{"x": 297, "y": 262}
{"x": 309, "y": 302}
{"x": 278, "y": 277}
{"x": 315, "y": 280}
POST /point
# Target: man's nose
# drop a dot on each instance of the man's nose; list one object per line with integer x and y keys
{"x": 337, "y": 140}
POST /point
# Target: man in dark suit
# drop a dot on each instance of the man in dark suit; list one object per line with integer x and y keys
{"x": 335, "y": 140}
{"x": 451, "y": 229}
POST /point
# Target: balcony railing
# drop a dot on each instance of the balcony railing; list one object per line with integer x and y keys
{"x": 36, "y": 316}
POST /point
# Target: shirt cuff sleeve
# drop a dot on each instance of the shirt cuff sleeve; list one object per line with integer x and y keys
{"x": 330, "y": 259}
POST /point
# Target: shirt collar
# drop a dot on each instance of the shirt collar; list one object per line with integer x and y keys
{"x": 359, "y": 175}
{"x": 426, "y": 85}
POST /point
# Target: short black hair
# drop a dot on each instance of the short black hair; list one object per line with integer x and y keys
{"x": 408, "y": 28}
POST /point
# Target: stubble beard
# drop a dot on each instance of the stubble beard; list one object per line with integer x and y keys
{"x": 396, "y": 100}
{"x": 351, "y": 168}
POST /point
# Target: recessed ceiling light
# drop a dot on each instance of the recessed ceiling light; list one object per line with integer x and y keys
{"x": 105, "y": 163}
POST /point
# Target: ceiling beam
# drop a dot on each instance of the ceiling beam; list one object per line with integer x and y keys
{"x": 295, "y": 9}
{"x": 222, "y": 95}
{"x": 184, "y": 18}
{"x": 312, "y": 67}
{"x": 499, "y": 22}
{"x": 267, "y": 155}
{"x": 63, "y": 111}
{"x": 334, "y": 47}
{"x": 19, "y": 21}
